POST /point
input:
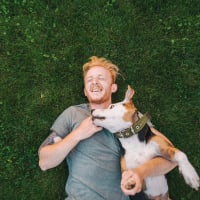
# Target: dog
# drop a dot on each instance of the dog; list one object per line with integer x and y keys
{"x": 141, "y": 144}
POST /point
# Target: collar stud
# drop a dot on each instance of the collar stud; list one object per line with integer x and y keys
{"x": 135, "y": 128}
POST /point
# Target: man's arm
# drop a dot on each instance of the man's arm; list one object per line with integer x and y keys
{"x": 155, "y": 167}
{"x": 54, "y": 149}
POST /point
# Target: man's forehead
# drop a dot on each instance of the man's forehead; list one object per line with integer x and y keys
{"x": 97, "y": 71}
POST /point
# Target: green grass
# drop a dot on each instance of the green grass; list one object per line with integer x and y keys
{"x": 43, "y": 45}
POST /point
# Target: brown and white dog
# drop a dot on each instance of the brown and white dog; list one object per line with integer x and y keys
{"x": 141, "y": 144}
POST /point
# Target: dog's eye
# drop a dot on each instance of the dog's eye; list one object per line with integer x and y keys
{"x": 112, "y": 106}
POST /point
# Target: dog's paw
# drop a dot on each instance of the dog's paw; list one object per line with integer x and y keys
{"x": 190, "y": 175}
{"x": 130, "y": 184}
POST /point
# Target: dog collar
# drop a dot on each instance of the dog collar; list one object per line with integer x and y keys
{"x": 134, "y": 129}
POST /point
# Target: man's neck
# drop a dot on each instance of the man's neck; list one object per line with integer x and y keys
{"x": 99, "y": 105}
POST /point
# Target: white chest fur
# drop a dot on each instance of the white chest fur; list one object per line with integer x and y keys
{"x": 137, "y": 152}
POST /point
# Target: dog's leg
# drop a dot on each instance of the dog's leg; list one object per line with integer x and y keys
{"x": 123, "y": 164}
{"x": 161, "y": 197}
{"x": 187, "y": 170}
{"x": 165, "y": 197}
{"x": 168, "y": 151}
{"x": 156, "y": 187}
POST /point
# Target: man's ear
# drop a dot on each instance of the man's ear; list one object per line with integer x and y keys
{"x": 114, "y": 87}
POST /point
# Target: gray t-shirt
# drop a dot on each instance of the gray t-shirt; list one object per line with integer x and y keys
{"x": 94, "y": 164}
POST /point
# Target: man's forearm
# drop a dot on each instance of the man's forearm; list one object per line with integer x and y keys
{"x": 155, "y": 167}
{"x": 52, "y": 155}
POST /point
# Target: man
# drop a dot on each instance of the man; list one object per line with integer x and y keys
{"x": 93, "y": 153}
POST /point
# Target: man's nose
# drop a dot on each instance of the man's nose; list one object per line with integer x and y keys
{"x": 95, "y": 80}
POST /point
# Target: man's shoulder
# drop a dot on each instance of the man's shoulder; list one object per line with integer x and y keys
{"x": 79, "y": 107}
{"x": 73, "y": 108}
{"x": 76, "y": 112}
{"x": 83, "y": 106}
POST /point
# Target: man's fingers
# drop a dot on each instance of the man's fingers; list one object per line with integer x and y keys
{"x": 130, "y": 183}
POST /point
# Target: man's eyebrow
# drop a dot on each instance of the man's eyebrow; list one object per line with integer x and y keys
{"x": 89, "y": 77}
{"x": 99, "y": 75}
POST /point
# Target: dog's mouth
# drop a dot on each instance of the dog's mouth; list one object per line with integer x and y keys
{"x": 98, "y": 117}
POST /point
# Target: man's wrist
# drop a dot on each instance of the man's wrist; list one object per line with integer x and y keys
{"x": 141, "y": 171}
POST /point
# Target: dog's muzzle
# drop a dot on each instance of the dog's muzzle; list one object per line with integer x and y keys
{"x": 98, "y": 117}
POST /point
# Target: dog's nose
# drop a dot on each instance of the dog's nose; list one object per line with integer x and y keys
{"x": 92, "y": 111}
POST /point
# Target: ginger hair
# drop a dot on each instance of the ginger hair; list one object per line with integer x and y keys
{"x": 101, "y": 62}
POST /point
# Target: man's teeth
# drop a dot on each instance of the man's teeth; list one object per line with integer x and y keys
{"x": 96, "y": 90}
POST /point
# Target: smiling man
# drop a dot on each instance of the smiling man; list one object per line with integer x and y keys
{"x": 92, "y": 153}
{"x": 99, "y": 86}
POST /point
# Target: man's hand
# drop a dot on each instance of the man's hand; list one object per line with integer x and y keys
{"x": 132, "y": 182}
{"x": 87, "y": 128}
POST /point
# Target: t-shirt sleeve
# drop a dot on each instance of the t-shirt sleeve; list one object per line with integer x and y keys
{"x": 67, "y": 121}
{"x": 63, "y": 124}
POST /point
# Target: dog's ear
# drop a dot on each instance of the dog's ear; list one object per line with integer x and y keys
{"x": 129, "y": 94}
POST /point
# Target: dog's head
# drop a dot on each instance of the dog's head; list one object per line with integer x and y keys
{"x": 117, "y": 116}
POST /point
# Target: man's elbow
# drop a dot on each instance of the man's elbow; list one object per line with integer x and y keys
{"x": 42, "y": 165}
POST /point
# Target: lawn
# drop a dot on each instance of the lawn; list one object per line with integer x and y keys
{"x": 43, "y": 45}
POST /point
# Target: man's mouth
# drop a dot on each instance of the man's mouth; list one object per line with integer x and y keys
{"x": 96, "y": 88}
{"x": 95, "y": 91}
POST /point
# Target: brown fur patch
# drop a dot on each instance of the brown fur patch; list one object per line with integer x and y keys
{"x": 166, "y": 148}
{"x": 130, "y": 111}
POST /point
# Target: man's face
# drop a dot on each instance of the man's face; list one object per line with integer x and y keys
{"x": 98, "y": 85}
